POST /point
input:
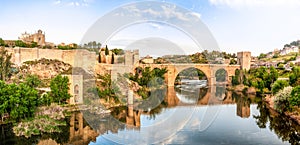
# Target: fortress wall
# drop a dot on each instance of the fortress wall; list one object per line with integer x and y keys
{"x": 28, "y": 54}
{"x": 49, "y": 54}
{"x": 78, "y": 57}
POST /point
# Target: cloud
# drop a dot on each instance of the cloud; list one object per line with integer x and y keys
{"x": 251, "y": 3}
{"x": 155, "y": 25}
{"x": 57, "y": 2}
{"x": 198, "y": 15}
{"x": 74, "y": 3}
{"x": 170, "y": 11}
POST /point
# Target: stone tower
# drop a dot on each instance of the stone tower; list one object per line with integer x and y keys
{"x": 131, "y": 57}
{"x": 244, "y": 59}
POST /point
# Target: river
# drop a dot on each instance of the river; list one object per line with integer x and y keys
{"x": 186, "y": 114}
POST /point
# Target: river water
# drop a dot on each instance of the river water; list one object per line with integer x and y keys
{"x": 185, "y": 115}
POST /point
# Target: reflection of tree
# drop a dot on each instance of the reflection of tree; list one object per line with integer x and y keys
{"x": 285, "y": 128}
{"x": 262, "y": 118}
{"x": 192, "y": 94}
{"x": 221, "y": 92}
{"x": 155, "y": 98}
{"x": 157, "y": 110}
{"x": 191, "y": 73}
{"x": 8, "y": 137}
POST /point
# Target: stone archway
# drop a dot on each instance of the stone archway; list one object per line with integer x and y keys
{"x": 190, "y": 85}
{"x": 221, "y": 75}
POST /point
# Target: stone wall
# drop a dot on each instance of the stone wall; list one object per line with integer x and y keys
{"x": 77, "y": 57}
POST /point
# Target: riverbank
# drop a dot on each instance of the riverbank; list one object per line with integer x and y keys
{"x": 295, "y": 115}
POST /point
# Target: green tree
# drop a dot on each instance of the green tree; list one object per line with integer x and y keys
{"x": 106, "y": 50}
{"x": 233, "y": 62}
{"x": 118, "y": 51}
{"x": 2, "y": 43}
{"x": 281, "y": 101}
{"x": 19, "y": 101}
{"x": 99, "y": 58}
{"x": 112, "y": 59}
{"x": 32, "y": 81}
{"x": 106, "y": 90}
{"x": 5, "y": 65}
{"x": 20, "y": 43}
{"x": 294, "y": 76}
{"x": 33, "y": 44}
{"x": 59, "y": 89}
{"x": 279, "y": 85}
{"x": 262, "y": 56}
{"x": 295, "y": 96}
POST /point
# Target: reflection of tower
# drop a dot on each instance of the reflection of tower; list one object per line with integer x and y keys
{"x": 80, "y": 134}
{"x": 243, "y": 107}
{"x": 133, "y": 118}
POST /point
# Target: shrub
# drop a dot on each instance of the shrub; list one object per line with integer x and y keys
{"x": 281, "y": 102}
{"x": 279, "y": 85}
{"x": 295, "y": 97}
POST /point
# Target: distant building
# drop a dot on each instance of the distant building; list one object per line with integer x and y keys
{"x": 38, "y": 37}
{"x": 287, "y": 50}
{"x": 148, "y": 60}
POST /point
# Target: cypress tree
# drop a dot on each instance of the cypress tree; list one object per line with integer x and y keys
{"x": 112, "y": 59}
{"x": 106, "y": 50}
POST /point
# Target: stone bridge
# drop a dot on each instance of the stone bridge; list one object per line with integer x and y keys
{"x": 208, "y": 69}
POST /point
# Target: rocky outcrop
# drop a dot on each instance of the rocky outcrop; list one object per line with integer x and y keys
{"x": 45, "y": 68}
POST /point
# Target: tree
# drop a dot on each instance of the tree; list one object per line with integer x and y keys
{"x": 279, "y": 85}
{"x": 2, "y": 43}
{"x": 233, "y": 61}
{"x": 106, "y": 50}
{"x": 5, "y": 65}
{"x": 295, "y": 96}
{"x": 19, "y": 101}
{"x": 32, "y": 81}
{"x": 262, "y": 56}
{"x": 112, "y": 59}
{"x": 20, "y": 43}
{"x": 281, "y": 101}
{"x": 59, "y": 89}
{"x": 33, "y": 44}
{"x": 117, "y": 51}
{"x": 295, "y": 76}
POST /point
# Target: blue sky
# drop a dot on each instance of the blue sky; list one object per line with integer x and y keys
{"x": 250, "y": 25}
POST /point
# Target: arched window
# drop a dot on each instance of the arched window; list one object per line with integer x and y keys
{"x": 76, "y": 92}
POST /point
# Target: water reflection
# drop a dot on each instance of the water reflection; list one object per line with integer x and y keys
{"x": 285, "y": 129}
{"x": 238, "y": 112}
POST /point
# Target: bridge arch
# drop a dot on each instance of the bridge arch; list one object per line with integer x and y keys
{"x": 190, "y": 73}
{"x": 221, "y": 75}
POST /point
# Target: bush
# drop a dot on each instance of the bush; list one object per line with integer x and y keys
{"x": 281, "y": 102}
{"x": 279, "y": 85}
{"x": 295, "y": 97}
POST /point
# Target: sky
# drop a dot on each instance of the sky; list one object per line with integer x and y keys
{"x": 258, "y": 26}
